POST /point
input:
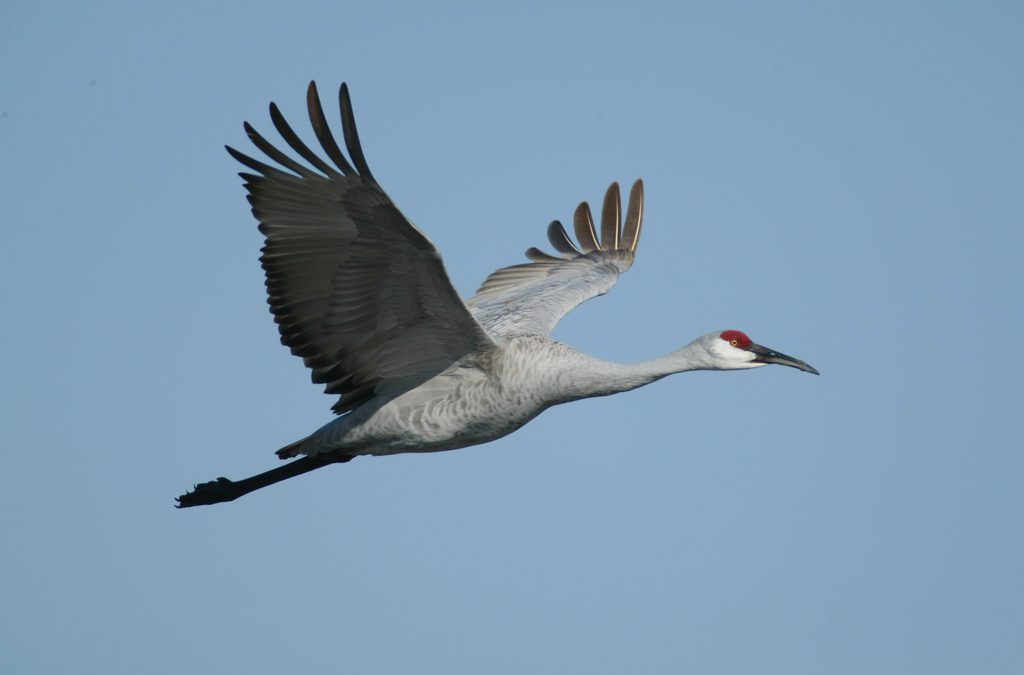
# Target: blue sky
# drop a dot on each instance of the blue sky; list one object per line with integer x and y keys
{"x": 841, "y": 181}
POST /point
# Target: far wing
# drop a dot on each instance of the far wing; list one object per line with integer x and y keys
{"x": 530, "y": 299}
{"x": 356, "y": 290}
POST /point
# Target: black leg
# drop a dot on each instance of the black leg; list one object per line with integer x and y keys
{"x": 224, "y": 490}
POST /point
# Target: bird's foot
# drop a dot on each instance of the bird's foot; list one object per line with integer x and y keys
{"x": 213, "y": 492}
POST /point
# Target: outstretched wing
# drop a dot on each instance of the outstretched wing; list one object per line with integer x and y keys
{"x": 356, "y": 290}
{"x": 530, "y": 299}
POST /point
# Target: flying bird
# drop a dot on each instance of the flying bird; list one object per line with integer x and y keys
{"x": 362, "y": 296}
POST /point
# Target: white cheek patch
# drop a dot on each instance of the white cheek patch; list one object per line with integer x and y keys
{"x": 747, "y": 359}
{"x": 734, "y": 356}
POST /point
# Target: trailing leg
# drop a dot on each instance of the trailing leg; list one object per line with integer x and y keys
{"x": 224, "y": 490}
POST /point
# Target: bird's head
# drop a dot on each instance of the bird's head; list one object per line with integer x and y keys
{"x": 732, "y": 349}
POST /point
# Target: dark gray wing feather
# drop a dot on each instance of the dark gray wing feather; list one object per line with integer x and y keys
{"x": 356, "y": 289}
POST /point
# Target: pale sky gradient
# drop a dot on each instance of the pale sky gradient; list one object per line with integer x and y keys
{"x": 843, "y": 181}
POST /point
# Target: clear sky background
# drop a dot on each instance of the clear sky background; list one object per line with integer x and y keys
{"x": 843, "y": 181}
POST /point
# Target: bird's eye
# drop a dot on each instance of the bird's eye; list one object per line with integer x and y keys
{"x": 734, "y": 342}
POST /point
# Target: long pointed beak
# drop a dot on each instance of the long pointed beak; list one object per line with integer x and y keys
{"x": 765, "y": 355}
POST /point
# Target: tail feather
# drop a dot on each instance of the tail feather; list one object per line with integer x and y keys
{"x": 292, "y": 449}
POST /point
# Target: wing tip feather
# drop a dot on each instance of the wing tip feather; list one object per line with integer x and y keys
{"x": 617, "y": 233}
{"x": 559, "y": 238}
{"x": 634, "y": 217}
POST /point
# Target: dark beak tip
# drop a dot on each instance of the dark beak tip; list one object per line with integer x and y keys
{"x": 765, "y": 355}
{"x": 804, "y": 366}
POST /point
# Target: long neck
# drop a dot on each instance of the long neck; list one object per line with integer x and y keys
{"x": 595, "y": 377}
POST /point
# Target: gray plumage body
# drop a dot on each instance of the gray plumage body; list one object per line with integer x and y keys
{"x": 362, "y": 296}
{"x": 481, "y": 398}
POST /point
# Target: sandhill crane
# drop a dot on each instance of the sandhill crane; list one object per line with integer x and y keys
{"x": 361, "y": 294}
